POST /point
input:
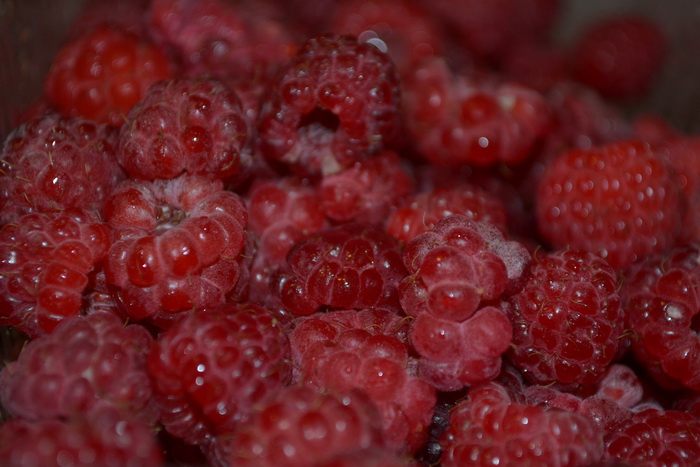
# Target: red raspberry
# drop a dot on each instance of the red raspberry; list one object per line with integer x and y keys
{"x": 620, "y": 56}
{"x": 404, "y": 30}
{"x": 655, "y": 437}
{"x": 177, "y": 247}
{"x": 662, "y": 303}
{"x": 335, "y": 103}
{"x": 567, "y": 320}
{"x": 101, "y": 75}
{"x": 345, "y": 350}
{"x": 367, "y": 191}
{"x": 45, "y": 260}
{"x": 103, "y": 439}
{"x": 490, "y": 428}
{"x": 421, "y": 212}
{"x": 351, "y": 266}
{"x": 459, "y": 119}
{"x": 210, "y": 368}
{"x": 620, "y": 200}
{"x": 193, "y": 126}
{"x": 300, "y": 426}
{"x": 87, "y": 363}
{"x": 55, "y": 163}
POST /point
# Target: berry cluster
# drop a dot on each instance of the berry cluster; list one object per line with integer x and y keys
{"x": 369, "y": 232}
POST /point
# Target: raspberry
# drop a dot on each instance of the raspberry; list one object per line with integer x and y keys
{"x": 211, "y": 367}
{"x": 490, "y": 428}
{"x": 87, "y": 363}
{"x": 335, "y": 103}
{"x": 682, "y": 154}
{"x": 193, "y": 126}
{"x": 457, "y": 119}
{"x": 345, "y": 350}
{"x": 421, "y": 212}
{"x": 102, "y": 439}
{"x": 618, "y": 200}
{"x": 55, "y": 163}
{"x": 366, "y": 192}
{"x": 300, "y": 426}
{"x": 177, "y": 246}
{"x": 655, "y": 437}
{"x": 351, "y": 266}
{"x": 45, "y": 260}
{"x": 620, "y": 56}
{"x": 661, "y": 299}
{"x": 567, "y": 320}
{"x": 102, "y": 74}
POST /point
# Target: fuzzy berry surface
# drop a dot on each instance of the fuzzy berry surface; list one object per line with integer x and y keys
{"x": 211, "y": 367}
{"x": 194, "y": 126}
{"x": 352, "y": 266}
{"x": 620, "y": 200}
{"x": 87, "y": 363}
{"x": 45, "y": 264}
{"x": 53, "y": 163}
{"x": 177, "y": 245}
{"x": 101, "y": 75}
{"x": 662, "y": 303}
{"x": 336, "y": 102}
{"x": 567, "y": 320}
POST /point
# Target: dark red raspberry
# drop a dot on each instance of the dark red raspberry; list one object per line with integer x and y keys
{"x": 620, "y": 200}
{"x": 193, "y": 126}
{"x": 219, "y": 38}
{"x": 335, "y": 103}
{"x": 177, "y": 247}
{"x": 491, "y": 428}
{"x": 567, "y": 320}
{"x": 351, "y": 266}
{"x": 620, "y": 56}
{"x": 301, "y": 426}
{"x": 366, "y": 192}
{"x": 101, "y": 75}
{"x": 45, "y": 260}
{"x": 54, "y": 163}
{"x": 421, "y": 212}
{"x": 655, "y": 437}
{"x": 662, "y": 303}
{"x": 366, "y": 350}
{"x": 404, "y": 30}
{"x": 212, "y": 367}
{"x": 102, "y": 439}
{"x": 457, "y": 119}
{"x": 87, "y": 363}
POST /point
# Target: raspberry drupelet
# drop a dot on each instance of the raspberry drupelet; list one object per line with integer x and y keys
{"x": 194, "y": 126}
{"x": 212, "y": 367}
{"x": 177, "y": 245}
{"x": 335, "y": 103}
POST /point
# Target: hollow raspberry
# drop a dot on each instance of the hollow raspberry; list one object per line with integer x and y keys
{"x": 661, "y": 299}
{"x": 102, "y": 74}
{"x": 177, "y": 245}
{"x": 489, "y": 428}
{"x": 335, "y": 103}
{"x": 619, "y": 200}
{"x": 301, "y": 426}
{"x": 366, "y": 350}
{"x": 54, "y": 163}
{"x": 193, "y": 126}
{"x": 210, "y": 368}
{"x": 350, "y": 266}
{"x": 567, "y": 320}
{"x": 87, "y": 363}
{"x": 45, "y": 260}
{"x": 620, "y": 56}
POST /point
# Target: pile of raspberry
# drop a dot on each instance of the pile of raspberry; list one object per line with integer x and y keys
{"x": 370, "y": 232}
